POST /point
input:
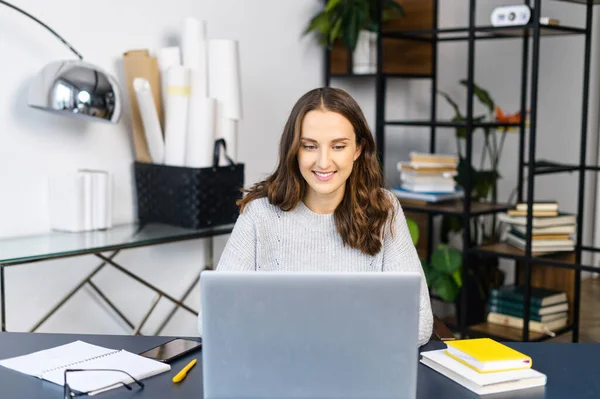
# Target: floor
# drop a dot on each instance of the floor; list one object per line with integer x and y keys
{"x": 589, "y": 326}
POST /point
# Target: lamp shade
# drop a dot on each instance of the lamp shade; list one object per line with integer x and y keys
{"x": 76, "y": 88}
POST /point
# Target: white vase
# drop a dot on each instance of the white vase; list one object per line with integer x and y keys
{"x": 364, "y": 57}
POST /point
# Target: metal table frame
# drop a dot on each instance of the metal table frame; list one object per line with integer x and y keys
{"x": 208, "y": 233}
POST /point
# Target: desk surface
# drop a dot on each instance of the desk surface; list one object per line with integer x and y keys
{"x": 55, "y": 244}
{"x": 570, "y": 369}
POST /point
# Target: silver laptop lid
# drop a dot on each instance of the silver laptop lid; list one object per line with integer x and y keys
{"x": 310, "y": 335}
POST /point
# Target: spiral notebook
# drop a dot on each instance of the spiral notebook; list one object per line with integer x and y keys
{"x": 50, "y": 365}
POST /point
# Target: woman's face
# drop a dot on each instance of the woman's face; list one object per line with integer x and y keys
{"x": 327, "y": 153}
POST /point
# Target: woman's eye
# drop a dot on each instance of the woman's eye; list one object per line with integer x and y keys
{"x": 339, "y": 147}
{"x": 309, "y": 147}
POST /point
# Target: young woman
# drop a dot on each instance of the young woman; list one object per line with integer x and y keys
{"x": 324, "y": 208}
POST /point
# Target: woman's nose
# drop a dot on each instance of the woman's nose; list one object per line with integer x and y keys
{"x": 323, "y": 161}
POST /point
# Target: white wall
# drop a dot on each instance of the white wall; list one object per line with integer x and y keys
{"x": 498, "y": 69}
{"x": 278, "y": 65}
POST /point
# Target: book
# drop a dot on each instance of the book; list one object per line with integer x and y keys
{"x": 538, "y": 296}
{"x": 505, "y": 311}
{"x": 485, "y": 355}
{"x": 500, "y": 305}
{"x": 428, "y": 197}
{"x": 561, "y": 219}
{"x": 433, "y": 159}
{"x": 50, "y": 364}
{"x": 564, "y": 229}
{"x": 538, "y": 206}
{"x": 482, "y": 383}
{"x": 539, "y": 249}
{"x": 520, "y": 240}
{"x": 426, "y": 179}
{"x": 430, "y": 188}
{"x": 424, "y": 169}
{"x": 536, "y": 213}
{"x": 517, "y": 322}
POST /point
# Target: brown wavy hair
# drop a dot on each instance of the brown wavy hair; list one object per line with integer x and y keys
{"x": 362, "y": 215}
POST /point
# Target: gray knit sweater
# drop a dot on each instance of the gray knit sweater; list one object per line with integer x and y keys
{"x": 266, "y": 238}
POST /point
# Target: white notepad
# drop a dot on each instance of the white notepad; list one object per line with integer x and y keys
{"x": 482, "y": 383}
{"x": 50, "y": 365}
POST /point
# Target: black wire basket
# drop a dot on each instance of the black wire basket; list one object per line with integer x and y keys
{"x": 189, "y": 197}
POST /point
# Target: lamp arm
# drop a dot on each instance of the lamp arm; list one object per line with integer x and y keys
{"x": 44, "y": 25}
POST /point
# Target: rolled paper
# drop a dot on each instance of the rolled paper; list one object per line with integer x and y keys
{"x": 224, "y": 76}
{"x": 167, "y": 57}
{"x": 201, "y": 132}
{"x": 194, "y": 53}
{"x": 178, "y": 94}
{"x": 152, "y": 129}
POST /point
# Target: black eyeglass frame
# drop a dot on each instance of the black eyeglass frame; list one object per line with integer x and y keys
{"x": 68, "y": 393}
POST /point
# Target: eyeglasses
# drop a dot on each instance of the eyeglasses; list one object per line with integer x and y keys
{"x": 69, "y": 393}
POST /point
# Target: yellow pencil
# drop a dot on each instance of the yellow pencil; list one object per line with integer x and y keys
{"x": 181, "y": 375}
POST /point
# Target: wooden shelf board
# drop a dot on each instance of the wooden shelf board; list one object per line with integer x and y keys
{"x": 453, "y": 207}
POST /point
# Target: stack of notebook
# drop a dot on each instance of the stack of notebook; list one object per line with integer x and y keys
{"x": 484, "y": 366}
{"x": 548, "y": 310}
{"x": 552, "y": 230}
{"x": 428, "y": 177}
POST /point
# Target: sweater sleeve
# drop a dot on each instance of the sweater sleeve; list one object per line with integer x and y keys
{"x": 401, "y": 255}
{"x": 239, "y": 253}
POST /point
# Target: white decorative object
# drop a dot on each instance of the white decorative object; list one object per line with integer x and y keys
{"x": 80, "y": 201}
{"x": 364, "y": 57}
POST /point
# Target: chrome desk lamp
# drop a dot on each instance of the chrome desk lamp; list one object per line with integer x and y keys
{"x": 74, "y": 87}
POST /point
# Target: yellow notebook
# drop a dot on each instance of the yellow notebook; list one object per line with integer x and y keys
{"x": 486, "y": 355}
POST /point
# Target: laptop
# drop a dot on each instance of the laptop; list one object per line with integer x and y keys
{"x": 307, "y": 335}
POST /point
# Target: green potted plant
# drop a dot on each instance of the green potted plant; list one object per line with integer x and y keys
{"x": 355, "y": 23}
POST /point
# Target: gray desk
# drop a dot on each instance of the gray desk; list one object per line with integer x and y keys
{"x": 571, "y": 371}
{"x": 55, "y": 245}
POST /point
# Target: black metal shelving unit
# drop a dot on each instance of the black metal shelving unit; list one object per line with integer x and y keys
{"x": 530, "y": 35}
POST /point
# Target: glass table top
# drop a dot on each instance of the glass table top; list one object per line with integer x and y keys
{"x": 23, "y": 249}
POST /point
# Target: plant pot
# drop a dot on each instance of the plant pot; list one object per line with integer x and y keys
{"x": 364, "y": 57}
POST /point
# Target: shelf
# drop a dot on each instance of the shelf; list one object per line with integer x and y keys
{"x": 385, "y": 75}
{"x": 506, "y": 333}
{"x": 546, "y": 167}
{"x": 580, "y": 1}
{"x": 428, "y": 123}
{"x": 543, "y": 167}
{"x": 453, "y": 207}
{"x": 506, "y": 250}
{"x": 483, "y": 32}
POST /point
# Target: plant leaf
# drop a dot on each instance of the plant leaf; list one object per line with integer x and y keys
{"x": 452, "y": 103}
{"x": 482, "y": 94}
{"x": 331, "y": 4}
{"x": 335, "y": 32}
{"x": 446, "y": 288}
{"x": 413, "y": 229}
{"x": 446, "y": 260}
{"x": 457, "y": 277}
{"x": 483, "y": 181}
{"x": 351, "y": 27}
{"x": 431, "y": 275}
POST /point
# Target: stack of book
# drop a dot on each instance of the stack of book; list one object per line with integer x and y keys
{"x": 484, "y": 366}
{"x": 548, "y": 310}
{"x": 552, "y": 230}
{"x": 428, "y": 177}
